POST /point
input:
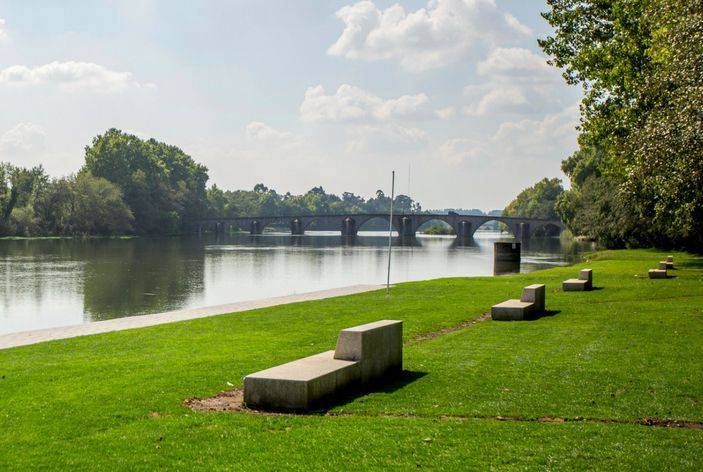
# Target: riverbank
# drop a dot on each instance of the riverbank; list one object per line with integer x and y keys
{"x": 26, "y": 338}
{"x": 571, "y": 390}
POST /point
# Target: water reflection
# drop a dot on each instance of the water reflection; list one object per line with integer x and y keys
{"x": 143, "y": 276}
{"x": 45, "y": 283}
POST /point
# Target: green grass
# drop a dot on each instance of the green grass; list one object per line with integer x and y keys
{"x": 630, "y": 351}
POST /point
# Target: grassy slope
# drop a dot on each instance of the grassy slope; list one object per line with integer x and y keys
{"x": 629, "y": 351}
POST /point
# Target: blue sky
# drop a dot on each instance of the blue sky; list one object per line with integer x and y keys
{"x": 295, "y": 94}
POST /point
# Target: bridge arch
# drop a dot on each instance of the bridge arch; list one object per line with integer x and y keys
{"x": 513, "y": 227}
{"x": 427, "y": 223}
{"x": 548, "y": 229}
{"x": 364, "y": 220}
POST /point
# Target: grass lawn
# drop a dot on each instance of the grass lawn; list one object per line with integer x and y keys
{"x": 633, "y": 349}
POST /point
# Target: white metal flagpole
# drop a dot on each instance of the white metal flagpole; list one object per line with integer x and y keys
{"x": 390, "y": 234}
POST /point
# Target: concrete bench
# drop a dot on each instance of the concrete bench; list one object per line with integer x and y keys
{"x": 583, "y": 283}
{"x": 364, "y": 354}
{"x": 377, "y": 346}
{"x": 670, "y": 259}
{"x": 531, "y": 303}
{"x": 657, "y": 274}
{"x": 664, "y": 265}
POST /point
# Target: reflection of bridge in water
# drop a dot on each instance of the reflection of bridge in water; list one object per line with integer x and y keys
{"x": 406, "y": 225}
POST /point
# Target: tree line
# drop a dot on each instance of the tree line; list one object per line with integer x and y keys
{"x": 637, "y": 177}
{"x": 129, "y": 185}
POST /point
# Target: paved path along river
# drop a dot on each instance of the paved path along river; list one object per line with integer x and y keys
{"x": 119, "y": 324}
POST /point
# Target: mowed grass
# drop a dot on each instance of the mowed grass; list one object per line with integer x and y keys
{"x": 609, "y": 358}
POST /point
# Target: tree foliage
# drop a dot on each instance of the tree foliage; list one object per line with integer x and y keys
{"x": 538, "y": 201}
{"x": 32, "y": 204}
{"x": 130, "y": 185}
{"x": 638, "y": 176}
{"x": 163, "y": 186}
{"x": 263, "y": 201}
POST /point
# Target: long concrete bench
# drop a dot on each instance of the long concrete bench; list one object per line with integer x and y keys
{"x": 531, "y": 303}
{"x": 657, "y": 274}
{"x": 364, "y": 355}
{"x": 583, "y": 283}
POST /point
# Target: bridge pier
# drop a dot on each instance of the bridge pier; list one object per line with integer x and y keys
{"x": 524, "y": 232}
{"x": 255, "y": 228}
{"x": 464, "y": 232}
{"x": 349, "y": 228}
{"x": 407, "y": 229}
{"x": 296, "y": 227}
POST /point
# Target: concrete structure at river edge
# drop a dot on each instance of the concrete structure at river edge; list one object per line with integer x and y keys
{"x": 364, "y": 355}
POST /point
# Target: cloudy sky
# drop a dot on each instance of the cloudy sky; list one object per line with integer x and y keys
{"x": 452, "y": 94}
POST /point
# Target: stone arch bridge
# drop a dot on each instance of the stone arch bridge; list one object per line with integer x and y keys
{"x": 406, "y": 225}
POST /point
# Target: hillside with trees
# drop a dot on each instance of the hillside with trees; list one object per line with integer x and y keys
{"x": 145, "y": 187}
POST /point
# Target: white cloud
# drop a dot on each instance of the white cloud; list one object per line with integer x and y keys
{"x": 457, "y": 150}
{"x": 439, "y": 34}
{"x": 518, "y": 81}
{"x": 517, "y": 142}
{"x": 3, "y": 33}
{"x": 496, "y": 98}
{"x": 266, "y": 138}
{"x": 24, "y": 139}
{"x": 351, "y": 103}
{"x": 555, "y": 134}
{"x": 258, "y": 131}
{"x": 71, "y": 76}
{"x": 515, "y": 62}
{"x": 445, "y": 113}
{"x": 386, "y": 138}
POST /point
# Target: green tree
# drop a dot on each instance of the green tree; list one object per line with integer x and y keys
{"x": 164, "y": 187}
{"x": 640, "y": 65}
{"x": 538, "y": 201}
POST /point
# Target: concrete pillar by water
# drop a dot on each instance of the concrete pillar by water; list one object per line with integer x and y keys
{"x": 506, "y": 258}
{"x": 296, "y": 227}
{"x": 406, "y": 228}
{"x": 524, "y": 231}
{"x": 464, "y": 231}
{"x": 503, "y": 251}
{"x": 349, "y": 227}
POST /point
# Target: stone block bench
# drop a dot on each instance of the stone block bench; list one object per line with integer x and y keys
{"x": 583, "y": 283}
{"x": 364, "y": 354}
{"x": 657, "y": 274}
{"x": 664, "y": 265}
{"x": 531, "y": 303}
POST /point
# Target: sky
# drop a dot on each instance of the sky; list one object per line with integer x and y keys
{"x": 454, "y": 95}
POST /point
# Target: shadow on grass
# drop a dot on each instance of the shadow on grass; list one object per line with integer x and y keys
{"x": 544, "y": 314}
{"x": 692, "y": 263}
{"x": 391, "y": 385}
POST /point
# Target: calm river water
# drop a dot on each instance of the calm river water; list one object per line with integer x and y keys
{"x": 47, "y": 283}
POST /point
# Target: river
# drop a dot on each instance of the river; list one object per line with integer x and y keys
{"x": 48, "y": 283}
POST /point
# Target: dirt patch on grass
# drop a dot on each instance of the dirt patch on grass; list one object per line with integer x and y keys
{"x": 671, "y": 423}
{"x": 232, "y": 400}
{"x": 451, "y": 329}
{"x": 658, "y": 422}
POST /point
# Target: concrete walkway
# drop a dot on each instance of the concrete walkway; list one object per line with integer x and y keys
{"x": 119, "y": 324}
